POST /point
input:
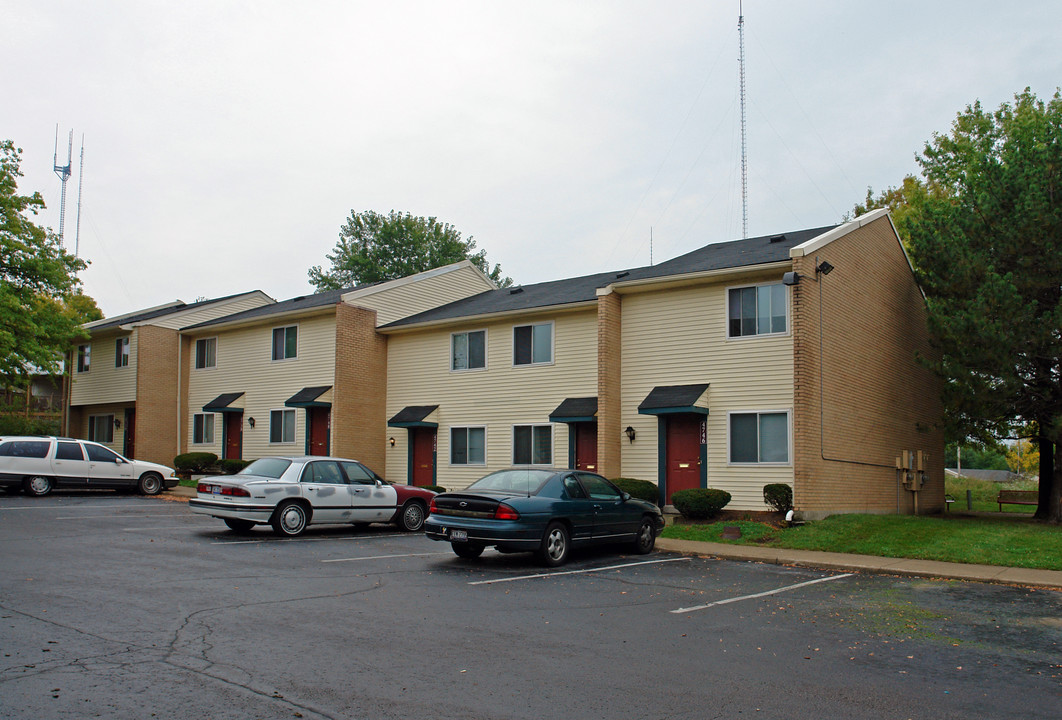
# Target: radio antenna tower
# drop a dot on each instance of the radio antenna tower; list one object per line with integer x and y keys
{"x": 63, "y": 171}
{"x": 80, "y": 183}
{"x": 744, "y": 156}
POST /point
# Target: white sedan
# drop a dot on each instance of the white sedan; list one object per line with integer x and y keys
{"x": 290, "y": 493}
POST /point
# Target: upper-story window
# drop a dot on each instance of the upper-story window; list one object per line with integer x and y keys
{"x": 84, "y": 357}
{"x": 286, "y": 342}
{"x": 206, "y": 353}
{"x": 757, "y": 310}
{"x": 121, "y": 352}
{"x": 533, "y": 344}
{"x": 468, "y": 350}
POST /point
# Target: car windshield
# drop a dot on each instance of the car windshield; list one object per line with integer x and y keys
{"x": 266, "y": 467}
{"x": 515, "y": 482}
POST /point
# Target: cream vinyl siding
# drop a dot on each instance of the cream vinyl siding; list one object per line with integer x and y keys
{"x": 679, "y": 337}
{"x": 401, "y": 300}
{"x": 497, "y": 398}
{"x": 187, "y": 318}
{"x": 105, "y": 383}
{"x": 244, "y": 364}
{"x": 118, "y": 411}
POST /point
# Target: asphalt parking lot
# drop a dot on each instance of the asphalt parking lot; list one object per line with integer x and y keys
{"x": 121, "y": 606}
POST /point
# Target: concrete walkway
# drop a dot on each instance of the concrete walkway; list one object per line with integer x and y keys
{"x": 831, "y": 561}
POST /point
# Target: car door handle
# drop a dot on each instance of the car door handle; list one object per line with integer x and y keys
{"x": 596, "y": 508}
{"x": 359, "y": 490}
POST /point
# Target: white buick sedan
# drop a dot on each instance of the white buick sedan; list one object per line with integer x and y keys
{"x": 290, "y": 493}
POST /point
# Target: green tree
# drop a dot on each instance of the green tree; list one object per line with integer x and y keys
{"x": 900, "y": 201}
{"x": 987, "y": 250}
{"x": 374, "y": 247}
{"x": 38, "y": 279}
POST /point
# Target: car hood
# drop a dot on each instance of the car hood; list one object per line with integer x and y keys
{"x": 142, "y": 466}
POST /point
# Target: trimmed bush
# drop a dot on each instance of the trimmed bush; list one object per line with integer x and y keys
{"x": 778, "y": 496}
{"x": 231, "y": 466}
{"x": 21, "y": 425}
{"x": 197, "y": 463}
{"x": 641, "y": 489}
{"x": 700, "y": 503}
{"x": 436, "y": 488}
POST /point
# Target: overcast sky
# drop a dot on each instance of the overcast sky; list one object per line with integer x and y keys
{"x": 227, "y": 141}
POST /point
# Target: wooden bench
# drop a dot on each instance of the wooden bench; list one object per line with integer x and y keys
{"x": 1018, "y": 497}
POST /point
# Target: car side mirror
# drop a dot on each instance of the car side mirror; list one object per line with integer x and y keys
{"x": 118, "y": 461}
{"x": 626, "y": 496}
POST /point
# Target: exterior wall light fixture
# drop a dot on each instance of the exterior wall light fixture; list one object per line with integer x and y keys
{"x": 824, "y": 267}
{"x": 392, "y": 441}
{"x": 117, "y": 423}
{"x": 629, "y": 432}
{"x": 250, "y": 421}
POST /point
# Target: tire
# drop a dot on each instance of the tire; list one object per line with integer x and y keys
{"x": 412, "y": 517}
{"x": 556, "y": 545}
{"x": 468, "y": 551}
{"x": 238, "y": 525}
{"x": 646, "y": 540}
{"x": 150, "y": 484}
{"x": 290, "y": 519}
{"x": 38, "y": 485}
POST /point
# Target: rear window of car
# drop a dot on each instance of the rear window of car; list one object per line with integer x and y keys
{"x": 518, "y": 481}
{"x": 69, "y": 451}
{"x": 266, "y": 467}
{"x": 25, "y": 448}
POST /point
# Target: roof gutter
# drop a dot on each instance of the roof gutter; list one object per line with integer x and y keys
{"x": 646, "y": 284}
{"x": 465, "y": 319}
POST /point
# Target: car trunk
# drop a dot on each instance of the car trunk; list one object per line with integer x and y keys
{"x": 466, "y": 505}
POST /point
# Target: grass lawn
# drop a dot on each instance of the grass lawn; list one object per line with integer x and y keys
{"x": 987, "y": 541}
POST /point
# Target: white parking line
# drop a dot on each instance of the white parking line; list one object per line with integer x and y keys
{"x": 762, "y": 594}
{"x": 298, "y": 539}
{"x": 122, "y": 515}
{"x": 577, "y": 572}
{"x": 383, "y": 557}
{"x": 53, "y": 507}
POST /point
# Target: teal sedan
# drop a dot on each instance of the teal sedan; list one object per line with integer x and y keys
{"x": 541, "y": 510}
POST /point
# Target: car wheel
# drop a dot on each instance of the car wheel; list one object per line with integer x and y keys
{"x": 239, "y": 525}
{"x": 469, "y": 551}
{"x": 643, "y": 544}
{"x": 290, "y": 519}
{"x": 412, "y": 517}
{"x": 150, "y": 484}
{"x": 556, "y": 544}
{"x": 38, "y": 486}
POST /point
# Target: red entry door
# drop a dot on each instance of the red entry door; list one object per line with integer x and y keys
{"x": 683, "y": 448}
{"x": 234, "y": 435}
{"x": 586, "y": 446}
{"x": 130, "y": 433}
{"x": 423, "y": 456}
{"x": 318, "y": 419}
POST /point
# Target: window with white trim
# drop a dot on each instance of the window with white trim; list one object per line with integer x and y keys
{"x": 759, "y": 437}
{"x": 282, "y": 426}
{"x": 468, "y": 350}
{"x": 286, "y": 342}
{"x": 101, "y": 428}
{"x": 532, "y": 445}
{"x": 206, "y": 353}
{"x": 468, "y": 446}
{"x": 121, "y": 352}
{"x": 84, "y": 358}
{"x": 757, "y": 310}
{"x": 203, "y": 429}
{"x": 533, "y": 344}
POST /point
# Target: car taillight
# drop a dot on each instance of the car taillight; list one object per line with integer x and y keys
{"x": 505, "y": 512}
{"x": 433, "y": 508}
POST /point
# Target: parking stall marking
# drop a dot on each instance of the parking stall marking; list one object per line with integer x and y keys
{"x": 383, "y": 557}
{"x": 576, "y": 572}
{"x": 787, "y": 588}
{"x": 297, "y": 539}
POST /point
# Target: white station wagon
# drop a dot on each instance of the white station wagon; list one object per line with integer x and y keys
{"x": 36, "y": 465}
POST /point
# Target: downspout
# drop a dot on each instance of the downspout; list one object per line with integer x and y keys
{"x": 180, "y": 367}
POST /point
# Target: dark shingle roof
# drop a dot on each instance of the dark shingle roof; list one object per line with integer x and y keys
{"x": 717, "y": 256}
{"x": 175, "y": 307}
{"x": 302, "y": 302}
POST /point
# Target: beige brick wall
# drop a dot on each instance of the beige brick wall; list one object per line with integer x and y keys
{"x": 359, "y": 398}
{"x": 864, "y": 398}
{"x": 609, "y": 387}
{"x": 156, "y": 394}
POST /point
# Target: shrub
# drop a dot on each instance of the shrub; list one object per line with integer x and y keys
{"x": 436, "y": 488}
{"x": 778, "y": 496}
{"x": 641, "y": 489}
{"x": 196, "y": 462}
{"x": 231, "y": 466}
{"x": 21, "y": 425}
{"x": 700, "y": 503}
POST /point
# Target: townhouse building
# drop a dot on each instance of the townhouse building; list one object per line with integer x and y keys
{"x": 790, "y": 358}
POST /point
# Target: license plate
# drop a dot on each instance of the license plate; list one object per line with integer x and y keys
{"x": 216, "y": 490}
{"x": 458, "y": 536}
